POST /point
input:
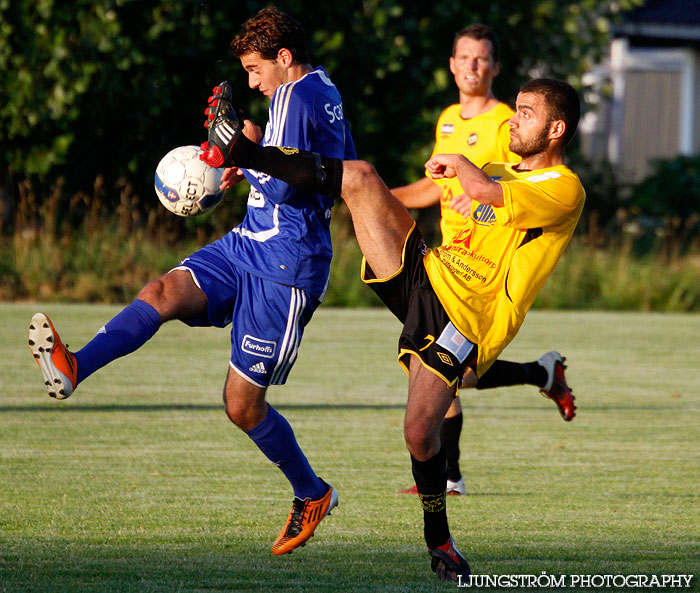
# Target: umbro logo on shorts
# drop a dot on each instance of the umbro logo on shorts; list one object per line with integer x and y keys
{"x": 258, "y": 367}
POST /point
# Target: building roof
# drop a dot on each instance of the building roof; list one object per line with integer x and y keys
{"x": 662, "y": 21}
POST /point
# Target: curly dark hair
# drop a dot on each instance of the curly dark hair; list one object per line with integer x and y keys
{"x": 268, "y": 32}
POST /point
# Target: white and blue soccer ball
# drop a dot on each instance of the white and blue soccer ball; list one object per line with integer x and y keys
{"x": 185, "y": 185}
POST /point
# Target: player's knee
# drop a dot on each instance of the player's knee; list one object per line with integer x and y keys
{"x": 239, "y": 413}
{"x": 246, "y": 408}
{"x": 236, "y": 412}
{"x": 357, "y": 176}
{"x": 175, "y": 296}
{"x": 154, "y": 294}
{"x": 420, "y": 440}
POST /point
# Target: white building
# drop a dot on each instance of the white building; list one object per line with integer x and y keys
{"x": 654, "y": 68}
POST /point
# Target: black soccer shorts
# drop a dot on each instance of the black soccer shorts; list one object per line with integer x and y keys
{"x": 427, "y": 332}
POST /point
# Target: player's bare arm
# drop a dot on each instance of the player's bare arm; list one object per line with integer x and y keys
{"x": 477, "y": 184}
{"x": 419, "y": 194}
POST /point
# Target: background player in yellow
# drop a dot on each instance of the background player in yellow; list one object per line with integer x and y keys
{"x": 462, "y": 303}
{"x": 476, "y": 127}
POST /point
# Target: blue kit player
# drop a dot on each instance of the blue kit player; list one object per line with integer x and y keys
{"x": 266, "y": 277}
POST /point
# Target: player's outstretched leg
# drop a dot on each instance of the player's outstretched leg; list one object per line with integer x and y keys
{"x": 447, "y": 562}
{"x": 64, "y": 370}
{"x": 556, "y": 387}
{"x": 55, "y": 361}
{"x": 303, "y": 519}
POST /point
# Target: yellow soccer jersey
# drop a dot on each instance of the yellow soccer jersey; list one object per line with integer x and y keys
{"x": 482, "y": 139}
{"x": 489, "y": 274}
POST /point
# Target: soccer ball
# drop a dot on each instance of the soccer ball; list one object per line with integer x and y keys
{"x": 186, "y": 185}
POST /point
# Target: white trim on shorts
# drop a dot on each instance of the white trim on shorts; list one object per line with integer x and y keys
{"x": 290, "y": 342}
{"x": 246, "y": 377}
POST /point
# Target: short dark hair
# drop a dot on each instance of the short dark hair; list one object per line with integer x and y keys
{"x": 562, "y": 101}
{"x": 478, "y": 31}
{"x": 268, "y": 32}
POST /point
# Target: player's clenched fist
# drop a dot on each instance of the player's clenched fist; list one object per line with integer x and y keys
{"x": 443, "y": 165}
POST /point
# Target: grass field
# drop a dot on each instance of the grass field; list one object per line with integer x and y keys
{"x": 138, "y": 482}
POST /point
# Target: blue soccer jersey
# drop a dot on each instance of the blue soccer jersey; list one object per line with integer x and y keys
{"x": 285, "y": 235}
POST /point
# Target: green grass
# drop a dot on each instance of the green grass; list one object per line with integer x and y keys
{"x": 138, "y": 482}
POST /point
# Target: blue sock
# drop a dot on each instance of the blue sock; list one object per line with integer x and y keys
{"x": 126, "y": 332}
{"x": 275, "y": 438}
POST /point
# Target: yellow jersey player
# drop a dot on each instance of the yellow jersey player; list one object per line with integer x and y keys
{"x": 460, "y": 304}
{"x": 476, "y": 127}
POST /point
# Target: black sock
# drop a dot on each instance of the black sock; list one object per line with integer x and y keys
{"x": 306, "y": 171}
{"x": 449, "y": 435}
{"x": 503, "y": 373}
{"x": 431, "y": 481}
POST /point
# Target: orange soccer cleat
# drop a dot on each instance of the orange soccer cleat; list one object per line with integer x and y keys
{"x": 303, "y": 519}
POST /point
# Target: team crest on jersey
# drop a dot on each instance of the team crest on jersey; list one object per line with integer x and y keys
{"x": 472, "y": 139}
{"x": 484, "y": 215}
{"x": 447, "y": 129}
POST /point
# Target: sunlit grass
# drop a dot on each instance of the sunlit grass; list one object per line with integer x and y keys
{"x": 139, "y": 483}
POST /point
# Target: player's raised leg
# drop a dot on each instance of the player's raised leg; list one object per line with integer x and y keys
{"x": 381, "y": 222}
{"x": 547, "y": 373}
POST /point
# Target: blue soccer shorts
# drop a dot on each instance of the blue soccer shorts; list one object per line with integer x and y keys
{"x": 267, "y": 319}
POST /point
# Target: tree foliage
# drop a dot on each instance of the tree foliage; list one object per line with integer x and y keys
{"x": 105, "y": 87}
